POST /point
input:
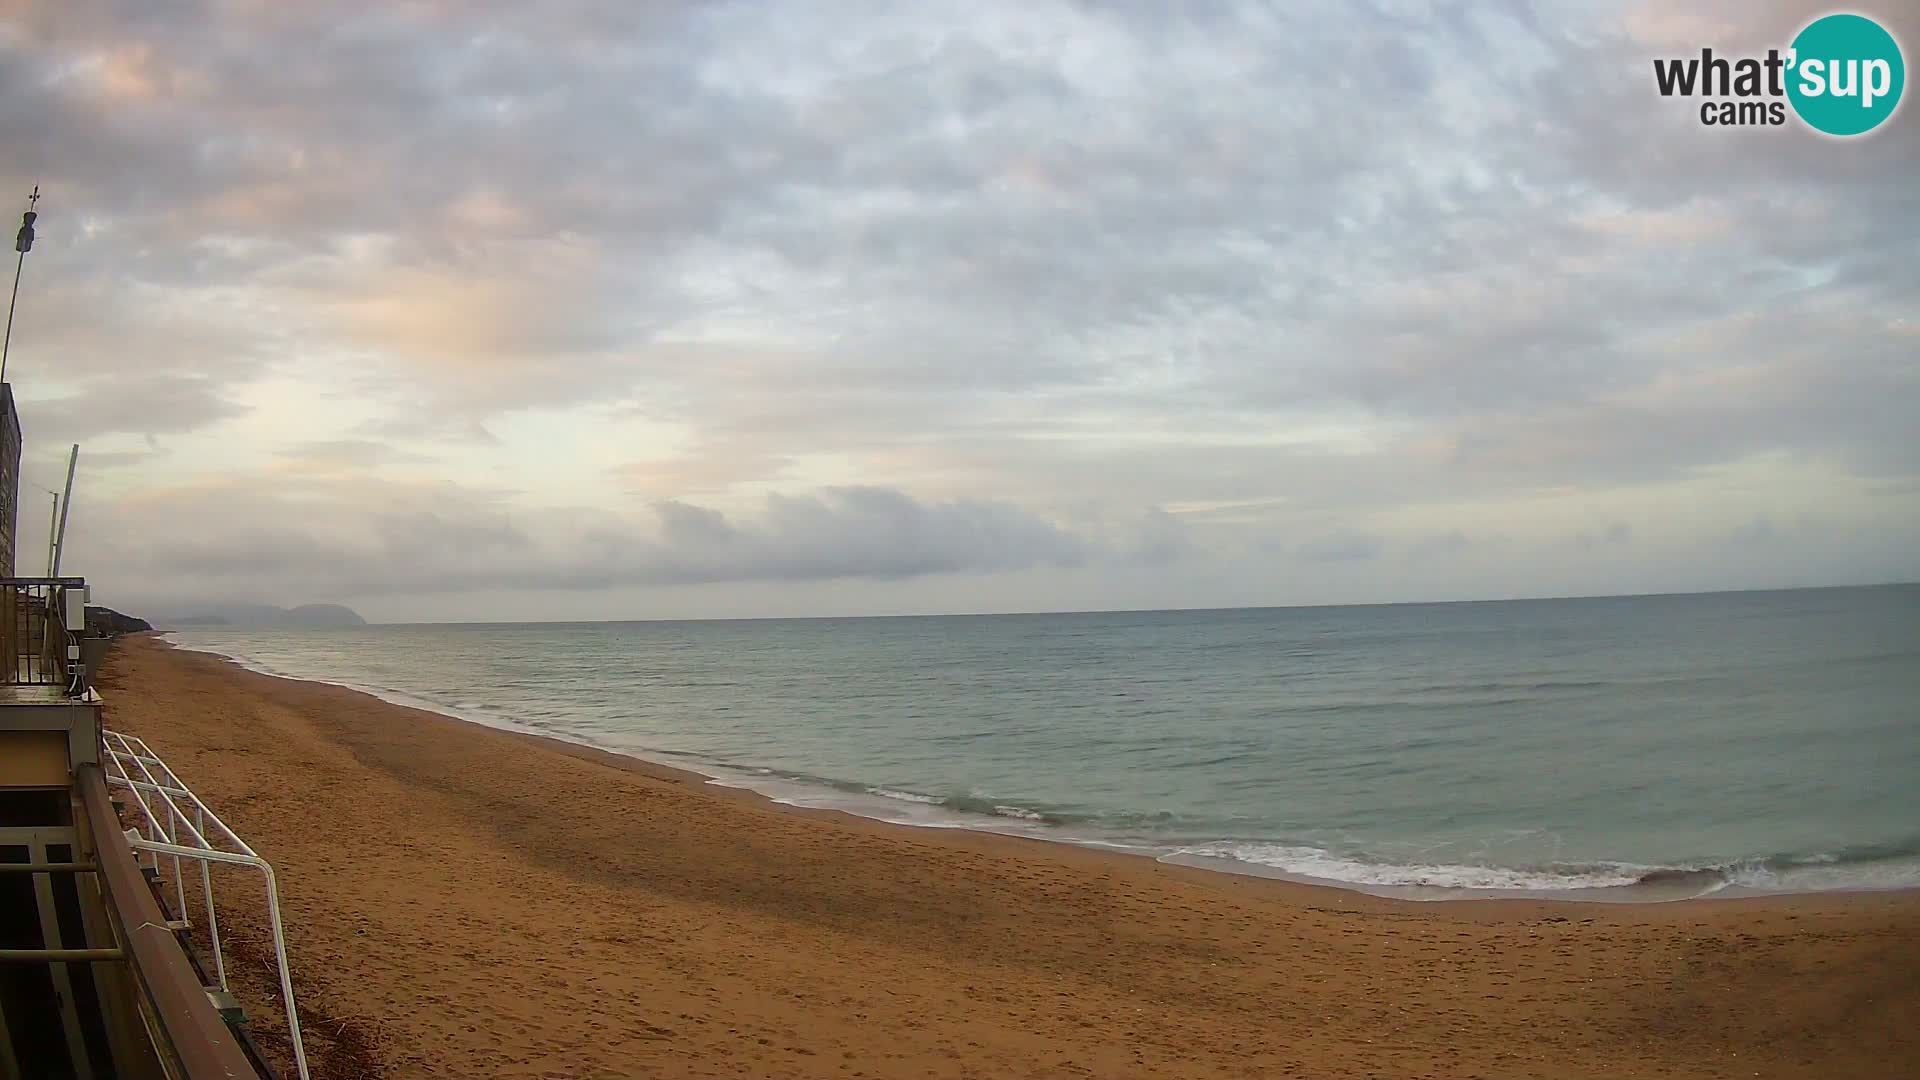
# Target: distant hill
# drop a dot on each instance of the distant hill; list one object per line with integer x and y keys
{"x": 241, "y": 615}
{"x": 106, "y": 622}
{"x": 323, "y": 615}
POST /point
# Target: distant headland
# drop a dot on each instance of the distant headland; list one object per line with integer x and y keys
{"x": 253, "y": 615}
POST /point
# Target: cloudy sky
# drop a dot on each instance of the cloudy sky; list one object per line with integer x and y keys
{"x": 463, "y": 311}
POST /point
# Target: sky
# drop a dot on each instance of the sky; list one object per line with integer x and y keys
{"x": 603, "y": 311}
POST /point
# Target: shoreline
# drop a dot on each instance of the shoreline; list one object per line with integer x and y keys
{"x": 630, "y": 761}
{"x": 472, "y": 902}
{"x": 1655, "y": 884}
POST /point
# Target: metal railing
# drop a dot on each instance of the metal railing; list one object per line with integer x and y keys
{"x": 179, "y": 826}
{"x": 188, "y": 1036}
{"x": 35, "y": 641}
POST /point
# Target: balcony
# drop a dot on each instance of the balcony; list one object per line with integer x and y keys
{"x": 42, "y": 624}
{"x": 98, "y": 978}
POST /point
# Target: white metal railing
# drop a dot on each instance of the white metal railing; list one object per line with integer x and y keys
{"x": 183, "y": 827}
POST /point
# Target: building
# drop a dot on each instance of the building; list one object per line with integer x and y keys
{"x": 9, "y": 478}
{"x": 99, "y": 977}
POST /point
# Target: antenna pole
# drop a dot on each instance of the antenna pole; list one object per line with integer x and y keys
{"x": 66, "y": 504}
{"x": 52, "y": 524}
{"x": 6, "y": 344}
{"x": 22, "y": 244}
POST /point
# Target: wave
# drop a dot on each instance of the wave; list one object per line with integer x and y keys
{"x": 970, "y": 804}
{"x": 905, "y": 796}
{"x": 1319, "y": 863}
{"x": 1848, "y": 870}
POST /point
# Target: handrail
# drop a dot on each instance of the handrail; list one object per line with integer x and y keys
{"x": 59, "y": 956}
{"x": 181, "y": 1012}
{"x": 181, "y": 838}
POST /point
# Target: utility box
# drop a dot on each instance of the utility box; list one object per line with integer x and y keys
{"x": 93, "y": 653}
{"x": 74, "y": 611}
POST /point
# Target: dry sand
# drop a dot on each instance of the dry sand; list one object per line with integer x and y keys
{"x": 472, "y": 903}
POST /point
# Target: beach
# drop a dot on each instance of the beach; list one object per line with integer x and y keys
{"x": 469, "y": 902}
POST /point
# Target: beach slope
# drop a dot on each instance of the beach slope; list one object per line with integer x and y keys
{"x": 465, "y": 902}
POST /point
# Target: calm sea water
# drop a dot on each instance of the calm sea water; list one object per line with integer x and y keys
{"x": 1621, "y": 748}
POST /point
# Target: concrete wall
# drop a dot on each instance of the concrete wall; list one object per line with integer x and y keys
{"x": 33, "y": 759}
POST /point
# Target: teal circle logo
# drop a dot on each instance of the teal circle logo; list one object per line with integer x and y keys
{"x": 1846, "y": 76}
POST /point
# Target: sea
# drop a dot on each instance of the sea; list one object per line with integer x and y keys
{"x": 1623, "y": 748}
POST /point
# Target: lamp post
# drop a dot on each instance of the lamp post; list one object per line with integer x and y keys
{"x": 22, "y": 243}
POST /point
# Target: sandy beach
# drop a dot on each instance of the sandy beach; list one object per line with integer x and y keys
{"x": 465, "y": 902}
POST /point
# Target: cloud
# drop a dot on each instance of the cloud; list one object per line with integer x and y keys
{"x": 332, "y": 455}
{"x": 1618, "y": 532}
{"x": 1344, "y": 547}
{"x": 850, "y": 532}
{"x": 1167, "y": 281}
{"x": 1760, "y": 530}
{"x": 141, "y": 404}
{"x": 308, "y": 534}
{"x": 1441, "y": 544}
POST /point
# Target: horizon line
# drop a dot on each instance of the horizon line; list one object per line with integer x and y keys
{"x": 1065, "y": 611}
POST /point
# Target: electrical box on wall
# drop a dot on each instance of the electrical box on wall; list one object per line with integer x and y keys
{"x": 76, "y": 609}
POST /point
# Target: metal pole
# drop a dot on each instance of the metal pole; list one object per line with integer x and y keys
{"x": 286, "y": 974}
{"x": 206, "y": 890}
{"x": 175, "y": 819}
{"x": 22, "y": 244}
{"x": 66, "y": 503}
{"x": 7, "y": 343}
{"x": 53, "y": 523}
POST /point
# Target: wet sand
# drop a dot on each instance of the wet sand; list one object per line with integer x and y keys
{"x": 465, "y": 902}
